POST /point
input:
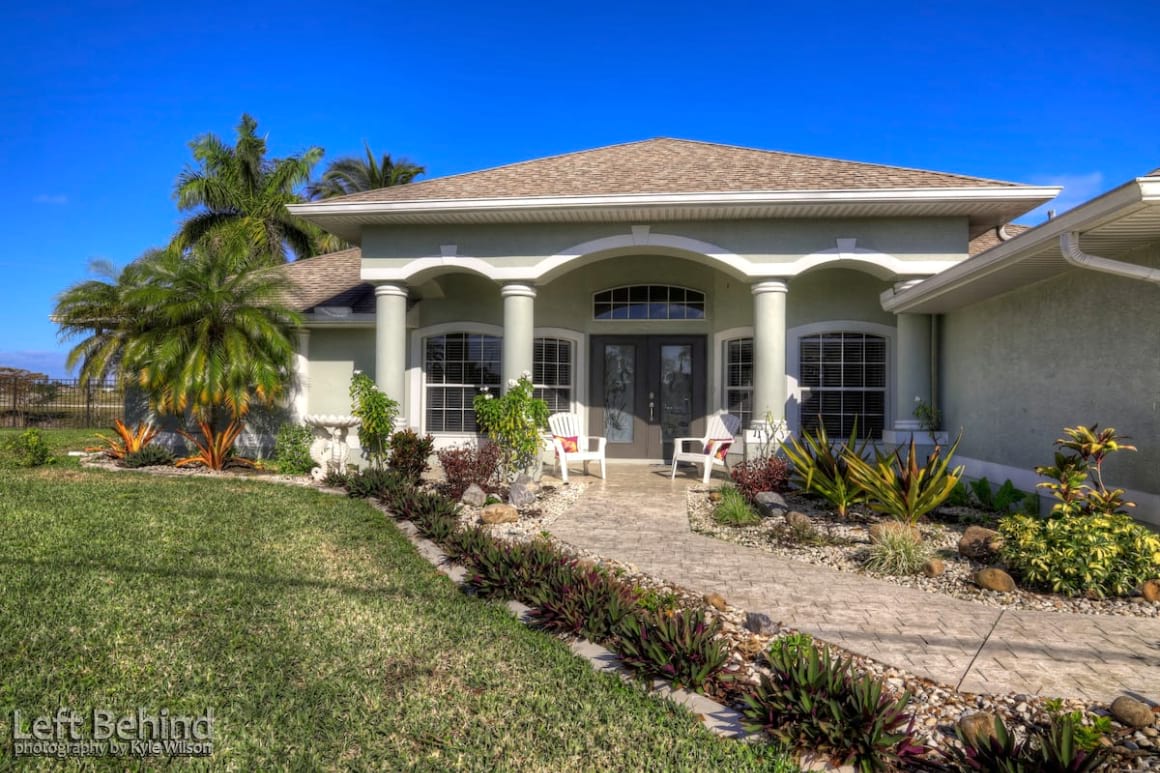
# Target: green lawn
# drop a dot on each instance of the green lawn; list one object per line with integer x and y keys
{"x": 308, "y": 624}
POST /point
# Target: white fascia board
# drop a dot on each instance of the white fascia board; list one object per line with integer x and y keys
{"x": 849, "y": 196}
{"x": 1110, "y": 206}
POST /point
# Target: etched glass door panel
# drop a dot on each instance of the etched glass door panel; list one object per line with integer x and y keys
{"x": 619, "y": 392}
{"x": 676, "y": 393}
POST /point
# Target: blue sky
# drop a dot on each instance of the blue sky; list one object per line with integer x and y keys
{"x": 100, "y": 100}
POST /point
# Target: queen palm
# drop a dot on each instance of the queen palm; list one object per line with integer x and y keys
{"x": 352, "y": 175}
{"x": 238, "y": 190}
{"x": 217, "y": 340}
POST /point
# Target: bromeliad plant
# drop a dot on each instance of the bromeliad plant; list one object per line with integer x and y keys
{"x": 813, "y": 701}
{"x": 818, "y": 468}
{"x": 215, "y": 448}
{"x": 376, "y": 413}
{"x": 515, "y": 423}
{"x": 900, "y": 487}
{"x": 128, "y": 441}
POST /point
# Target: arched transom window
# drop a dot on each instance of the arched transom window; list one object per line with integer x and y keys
{"x": 648, "y": 302}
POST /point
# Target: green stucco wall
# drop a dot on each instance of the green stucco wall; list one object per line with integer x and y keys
{"x": 1080, "y": 348}
{"x": 335, "y": 353}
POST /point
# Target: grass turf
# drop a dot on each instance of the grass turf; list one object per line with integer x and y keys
{"x": 309, "y": 625}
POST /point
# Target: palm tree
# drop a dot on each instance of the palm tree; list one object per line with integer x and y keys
{"x": 98, "y": 311}
{"x": 241, "y": 191}
{"x": 353, "y": 175}
{"x": 218, "y": 338}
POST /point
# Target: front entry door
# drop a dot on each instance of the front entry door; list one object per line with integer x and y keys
{"x": 647, "y": 390}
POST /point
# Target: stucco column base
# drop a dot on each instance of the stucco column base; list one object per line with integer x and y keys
{"x": 391, "y": 342}
{"x": 769, "y": 388}
{"x": 519, "y": 302}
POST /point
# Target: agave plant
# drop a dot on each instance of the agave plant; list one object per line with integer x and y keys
{"x": 128, "y": 441}
{"x": 900, "y": 487}
{"x": 818, "y": 468}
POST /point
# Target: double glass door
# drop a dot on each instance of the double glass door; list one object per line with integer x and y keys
{"x": 646, "y": 391}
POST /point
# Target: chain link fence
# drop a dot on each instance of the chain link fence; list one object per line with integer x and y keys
{"x": 53, "y": 403}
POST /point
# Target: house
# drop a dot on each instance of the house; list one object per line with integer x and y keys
{"x": 649, "y": 284}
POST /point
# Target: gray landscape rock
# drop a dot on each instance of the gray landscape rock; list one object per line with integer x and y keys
{"x": 474, "y": 496}
{"x": 770, "y": 503}
{"x": 993, "y": 578}
{"x": 493, "y": 514}
{"x": 759, "y": 622}
{"x": 796, "y": 520}
{"x": 1131, "y": 712}
{"x": 521, "y": 493}
{"x": 979, "y": 542}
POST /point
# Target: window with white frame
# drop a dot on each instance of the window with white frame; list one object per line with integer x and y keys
{"x": 457, "y": 366}
{"x": 552, "y": 373}
{"x": 739, "y": 379}
{"x": 843, "y": 381}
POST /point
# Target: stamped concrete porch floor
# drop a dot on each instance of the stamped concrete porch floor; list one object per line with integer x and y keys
{"x": 638, "y": 517}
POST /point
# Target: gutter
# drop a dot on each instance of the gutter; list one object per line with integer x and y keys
{"x": 1069, "y": 246}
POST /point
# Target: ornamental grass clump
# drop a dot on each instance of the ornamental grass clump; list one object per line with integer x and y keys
{"x": 815, "y": 702}
{"x": 819, "y": 469}
{"x": 901, "y": 488}
{"x": 515, "y": 422}
{"x": 897, "y": 551}
{"x": 680, "y": 647}
{"x": 734, "y": 509}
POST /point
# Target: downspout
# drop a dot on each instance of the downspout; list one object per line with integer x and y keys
{"x": 1069, "y": 246}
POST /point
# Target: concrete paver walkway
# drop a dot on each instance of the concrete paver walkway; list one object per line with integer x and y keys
{"x": 639, "y": 517}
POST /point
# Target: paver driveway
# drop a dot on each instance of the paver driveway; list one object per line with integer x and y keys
{"x": 639, "y": 517}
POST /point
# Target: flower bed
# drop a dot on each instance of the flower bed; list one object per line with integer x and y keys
{"x": 842, "y": 544}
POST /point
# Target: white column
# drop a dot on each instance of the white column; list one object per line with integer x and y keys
{"x": 300, "y": 391}
{"x": 519, "y": 301}
{"x": 391, "y": 341}
{"x": 769, "y": 351}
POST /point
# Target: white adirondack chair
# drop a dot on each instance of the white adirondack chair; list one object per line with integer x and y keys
{"x": 710, "y": 450}
{"x": 572, "y": 445}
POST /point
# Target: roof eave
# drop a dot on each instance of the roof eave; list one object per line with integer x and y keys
{"x": 1110, "y": 206}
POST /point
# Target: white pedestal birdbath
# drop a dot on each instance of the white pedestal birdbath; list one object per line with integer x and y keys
{"x": 332, "y": 452}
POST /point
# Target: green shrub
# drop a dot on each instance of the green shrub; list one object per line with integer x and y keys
{"x": 373, "y": 483}
{"x": 814, "y": 702}
{"x": 292, "y": 450}
{"x": 1076, "y": 554}
{"x": 901, "y": 488}
{"x": 514, "y": 423}
{"x": 679, "y": 647}
{"x": 376, "y": 413}
{"x": 28, "y": 449}
{"x": 960, "y": 495}
{"x": 410, "y": 454}
{"x": 1058, "y": 748}
{"x": 1002, "y": 500}
{"x": 151, "y": 455}
{"x": 897, "y": 551}
{"x": 734, "y": 509}
{"x": 819, "y": 469}
{"x": 1086, "y": 736}
{"x": 652, "y": 600}
{"x": 790, "y": 646}
{"x": 581, "y": 601}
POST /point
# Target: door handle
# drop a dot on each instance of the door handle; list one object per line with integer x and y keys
{"x": 651, "y": 404}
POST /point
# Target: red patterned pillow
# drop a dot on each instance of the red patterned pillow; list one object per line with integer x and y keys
{"x": 722, "y": 450}
{"x": 569, "y": 444}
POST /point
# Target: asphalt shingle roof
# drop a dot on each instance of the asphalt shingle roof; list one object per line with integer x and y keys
{"x": 668, "y": 166}
{"x": 329, "y": 280}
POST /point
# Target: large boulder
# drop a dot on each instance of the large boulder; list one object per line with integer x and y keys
{"x": 474, "y": 496}
{"x": 1150, "y": 590}
{"x": 993, "y": 578}
{"x": 759, "y": 622}
{"x": 1132, "y": 713}
{"x": 980, "y": 543}
{"x": 521, "y": 493}
{"x": 770, "y": 503}
{"x": 499, "y": 513}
